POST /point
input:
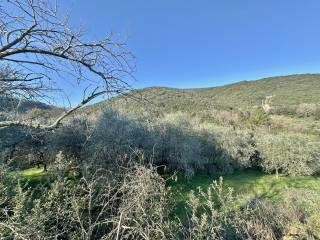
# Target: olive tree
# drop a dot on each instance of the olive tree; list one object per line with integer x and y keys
{"x": 293, "y": 154}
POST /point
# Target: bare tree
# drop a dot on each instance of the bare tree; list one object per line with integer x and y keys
{"x": 39, "y": 50}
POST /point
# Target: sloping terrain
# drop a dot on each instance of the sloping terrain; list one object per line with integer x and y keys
{"x": 13, "y": 104}
{"x": 287, "y": 93}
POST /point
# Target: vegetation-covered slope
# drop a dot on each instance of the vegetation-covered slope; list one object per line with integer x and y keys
{"x": 287, "y": 93}
{"x": 246, "y": 145}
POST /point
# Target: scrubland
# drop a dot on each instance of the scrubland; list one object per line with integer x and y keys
{"x": 175, "y": 164}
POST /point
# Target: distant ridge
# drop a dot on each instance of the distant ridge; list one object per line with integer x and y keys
{"x": 12, "y": 104}
{"x": 287, "y": 91}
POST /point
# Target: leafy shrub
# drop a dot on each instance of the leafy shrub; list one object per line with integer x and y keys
{"x": 305, "y": 202}
{"x": 130, "y": 204}
{"x": 289, "y": 110}
{"x": 225, "y": 149}
{"x": 262, "y": 219}
{"x": 21, "y": 147}
{"x": 70, "y": 138}
{"x": 113, "y": 136}
{"x": 208, "y": 212}
{"x": 174, "y": 141}
{"x": 238, "y": 146}
{"x": 214, "y": 214}
{"x": 176, "y": 145}
{"x": 293, "y": 154}
{"x": 258, "y": 117}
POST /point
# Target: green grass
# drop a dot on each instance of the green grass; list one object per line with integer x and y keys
{"x": 31, "y": 173}
{"x": 34, "y": 176}
{"x": 246, "y": 184}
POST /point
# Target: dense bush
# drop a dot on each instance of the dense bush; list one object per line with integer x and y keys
{"x": 174, "y": 141}
{"x": 293, "y": 154}
{"x": 70, "y": 139}
{"x": 22, "y": 147}
{"x": 176, "y": 145}
{"x": 115, "y": 136}
{"x": 236, "y": 147}
{"x": 133, "y": 203}
{"x": 98, "y": 204}
{"x": 213, "y": 214}
{"x": 287, "y": 110}
{"x": 181, "y": 143}
{"x": 9, "y": 138}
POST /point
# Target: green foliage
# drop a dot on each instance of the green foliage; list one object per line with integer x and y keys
{"x": 172, "y": 141}
{"x": 293, "y": 154}
{"x": 213, "y": 214}
{"x": 209, "y": 211}
{"x": 21, "y": 147}
{"x": 247, "y": 184}
{"x": 180, "y": 143}
{"x": 92, "y": 191}
{"x": 258, "y": 117}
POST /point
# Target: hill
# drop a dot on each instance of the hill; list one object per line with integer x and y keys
{"x": 12, "y": 104}
{"x": 287, "y": 92}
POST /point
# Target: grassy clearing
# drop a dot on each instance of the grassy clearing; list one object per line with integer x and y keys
{"x": 246, "y": 184}
{"x": 34, "y": 176}
{"x": 31, "y": 173}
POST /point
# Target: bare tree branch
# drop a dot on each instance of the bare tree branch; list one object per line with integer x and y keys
{"x": 39, "y": 53}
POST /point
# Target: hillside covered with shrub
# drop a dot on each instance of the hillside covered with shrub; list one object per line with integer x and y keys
{"x": 233, "y": 162}
{"x": 291, "y": 95}
{"x": 152, "y": 162}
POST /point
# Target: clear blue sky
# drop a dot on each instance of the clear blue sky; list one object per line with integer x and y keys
{"x": 198, "y": 43}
